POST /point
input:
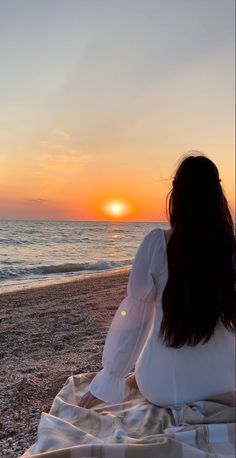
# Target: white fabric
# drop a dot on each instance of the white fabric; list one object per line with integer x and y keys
{"x": 165, "y": 376}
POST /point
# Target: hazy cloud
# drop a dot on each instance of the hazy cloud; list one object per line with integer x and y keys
{"x": 25, "y": 201}
{"x": 60, "y": 134}
{"x": 59, "y": 155}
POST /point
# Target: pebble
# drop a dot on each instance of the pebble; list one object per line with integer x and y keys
{"x": 119, "y": 433}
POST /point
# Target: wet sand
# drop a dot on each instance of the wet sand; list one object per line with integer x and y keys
{"x": 46, "y": 335}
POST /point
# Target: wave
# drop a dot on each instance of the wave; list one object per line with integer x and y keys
{"x": 77, "y": 267}
{"x": 67, "y": 268}
{"x": 13, "y": 242}
{"x": 39, "y": 240}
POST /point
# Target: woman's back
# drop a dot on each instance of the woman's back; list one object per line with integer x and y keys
{"x": 168, "y": 376}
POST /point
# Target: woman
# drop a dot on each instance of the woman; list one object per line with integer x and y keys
{"x": 176, "y": 325}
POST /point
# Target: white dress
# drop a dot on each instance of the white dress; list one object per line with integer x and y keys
{"x": 165, "y": 376}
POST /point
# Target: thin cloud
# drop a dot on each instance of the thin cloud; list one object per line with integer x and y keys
{"x": 59, "y": 155}
{"x": 38, "y": 200}
{"x": 60, "y": 134}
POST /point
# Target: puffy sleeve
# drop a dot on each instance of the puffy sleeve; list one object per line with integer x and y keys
{"x": 130, "y": 326}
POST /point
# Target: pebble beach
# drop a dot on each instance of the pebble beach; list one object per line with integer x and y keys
{"x": 47, "y": 334}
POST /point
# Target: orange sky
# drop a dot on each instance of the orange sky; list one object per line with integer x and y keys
{"x": 86, "y": 120}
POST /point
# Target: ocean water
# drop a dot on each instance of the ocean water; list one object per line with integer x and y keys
{"x": 39, "y": 251}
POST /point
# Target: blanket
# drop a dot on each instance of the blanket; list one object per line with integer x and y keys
{"x": 134, "y": 428}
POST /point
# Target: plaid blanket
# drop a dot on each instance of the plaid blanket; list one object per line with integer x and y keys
{"x": 134, "y": 428}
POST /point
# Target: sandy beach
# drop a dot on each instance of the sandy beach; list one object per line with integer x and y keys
{"x": 48, "y": 334}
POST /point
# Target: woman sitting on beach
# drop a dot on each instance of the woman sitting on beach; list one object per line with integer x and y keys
{"x": 176, "y": 325}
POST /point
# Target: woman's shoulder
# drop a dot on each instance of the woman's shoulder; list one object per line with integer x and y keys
{"x": 156, "y": 240}
{"x": 154, "y": 235}
{"x": 159, "y": 233}
{"x": 154, "y": 243}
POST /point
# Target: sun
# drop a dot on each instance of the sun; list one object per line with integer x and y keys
{"x": 116, "y": 208}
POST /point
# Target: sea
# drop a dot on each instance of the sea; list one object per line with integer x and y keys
{"x": 34, "y": 253}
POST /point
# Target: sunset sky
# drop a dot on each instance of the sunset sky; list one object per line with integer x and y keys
{"x": 101, "y": 98}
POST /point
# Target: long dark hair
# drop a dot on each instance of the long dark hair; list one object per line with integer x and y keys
{"x": 201, "y": 254}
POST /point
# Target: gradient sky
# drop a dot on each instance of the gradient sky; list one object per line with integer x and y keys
{"x": 101, "y": 98}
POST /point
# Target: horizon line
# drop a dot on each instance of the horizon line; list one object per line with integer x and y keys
{"x": 79, "y": 221}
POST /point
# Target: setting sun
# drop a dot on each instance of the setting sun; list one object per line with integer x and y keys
{"x": 116, "y": 209}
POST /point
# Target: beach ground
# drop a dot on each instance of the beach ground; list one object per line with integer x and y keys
{"x": 46, "y": 335}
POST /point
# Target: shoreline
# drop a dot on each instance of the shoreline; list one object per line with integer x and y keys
{"x": 41, "y": 283}
{"x": 48, "y": 333}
